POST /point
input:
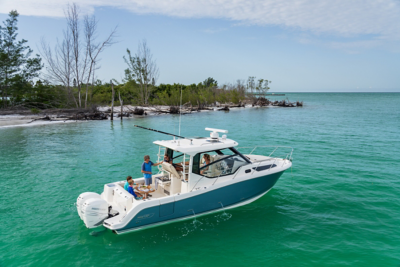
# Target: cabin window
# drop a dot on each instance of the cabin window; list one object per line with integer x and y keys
{"x": 176, "y": 156}
{"x": 218, "y": 163}
{"x": 196, "y": 164}
{"x": 169, "y": 152}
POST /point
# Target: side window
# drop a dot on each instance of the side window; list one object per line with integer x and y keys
{"x": 196, "y": 164}
{"x": 220, "y": 163}
{"x": 169, "y": 153}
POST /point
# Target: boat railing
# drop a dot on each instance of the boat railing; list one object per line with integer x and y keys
{"x": 282, "y": 152}
{"x": 278, "y": 152}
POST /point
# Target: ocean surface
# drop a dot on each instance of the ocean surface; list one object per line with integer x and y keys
{"x": 339, "y": 205}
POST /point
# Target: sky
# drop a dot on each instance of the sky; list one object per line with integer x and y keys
{"x": 299, "y": 45}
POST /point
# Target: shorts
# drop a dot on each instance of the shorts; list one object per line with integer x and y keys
{"x": 148, "y": 181}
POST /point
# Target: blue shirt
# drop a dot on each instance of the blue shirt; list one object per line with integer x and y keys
{"x": 147, "y": 168}
{"x": 127, "y": 185}
{"x": 130, "y": 190}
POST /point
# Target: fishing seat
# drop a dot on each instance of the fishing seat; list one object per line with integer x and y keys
{"x": 174, "y": 176}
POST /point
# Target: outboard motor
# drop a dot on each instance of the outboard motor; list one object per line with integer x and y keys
{"x": 82, "y": 198}
{"x": 94, "y": 212}
{"x": 92, "y": 209}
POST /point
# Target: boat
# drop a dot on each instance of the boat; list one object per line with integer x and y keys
{"x": 229, "y": 180}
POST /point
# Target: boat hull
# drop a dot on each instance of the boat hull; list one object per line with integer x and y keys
{"x": 226, "y": 197}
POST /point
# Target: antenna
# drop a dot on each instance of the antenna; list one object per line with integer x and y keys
{"x": 161, "y": 132}
{"x": 180, "y": 113}
{"x": 216, "y": 130}
{"x": 214, "y": 134}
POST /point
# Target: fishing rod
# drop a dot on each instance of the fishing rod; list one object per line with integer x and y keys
{"x": 160, "y": 132}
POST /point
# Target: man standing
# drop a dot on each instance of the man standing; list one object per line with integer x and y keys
{"x": 146, "y": 169}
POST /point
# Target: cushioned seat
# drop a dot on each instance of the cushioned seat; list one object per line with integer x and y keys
{"x": 175, "y": 177}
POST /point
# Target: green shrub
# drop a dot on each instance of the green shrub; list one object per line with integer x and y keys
{"x": 35, "y": 111}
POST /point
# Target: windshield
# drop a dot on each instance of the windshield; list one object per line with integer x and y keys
{"x": 218, "y": 162}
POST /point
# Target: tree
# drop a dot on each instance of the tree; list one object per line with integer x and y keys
{"x": 73, "y": 60}
{"x": 80, "y": 61}
{"x": 94, "y": 48}
{"x": 17, "y": 69}
{"x": 210, "y": 82}
{"x": 262, "y": 86}
{"x": 251, "y": 84}
{"x": 143, "y": 69}
{"x": 59, "y": 65}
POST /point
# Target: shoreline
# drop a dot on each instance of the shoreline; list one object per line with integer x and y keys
{"x": 57, "y": 116}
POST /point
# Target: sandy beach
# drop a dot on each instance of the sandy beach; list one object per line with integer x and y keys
{"x": 7, "y": 121}
{"x": 27, "y": 120}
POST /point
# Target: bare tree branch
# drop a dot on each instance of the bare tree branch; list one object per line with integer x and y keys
{"x": 94, "y": 49}
{"x": 144, "y": 69}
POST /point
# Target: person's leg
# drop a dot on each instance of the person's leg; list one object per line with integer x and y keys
{"x": 150, "y": 182}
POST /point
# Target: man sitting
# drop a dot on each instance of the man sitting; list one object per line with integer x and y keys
{"x": 127, "y": 182}
{"x": 177, "y": 166}
{"x": 126, "y": 186}
{"x": 132, "y": 191}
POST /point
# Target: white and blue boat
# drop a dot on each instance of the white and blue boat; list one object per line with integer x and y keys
{"x": 231, "y": 179}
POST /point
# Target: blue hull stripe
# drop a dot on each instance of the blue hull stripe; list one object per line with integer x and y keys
{"x": 227, "y": 196}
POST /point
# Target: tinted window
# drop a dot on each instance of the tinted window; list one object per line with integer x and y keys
{"x": 219, "y": 163}
{"x": 196, "y": 164}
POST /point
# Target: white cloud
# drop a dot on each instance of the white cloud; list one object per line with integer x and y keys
{"x": 340, "y": 17}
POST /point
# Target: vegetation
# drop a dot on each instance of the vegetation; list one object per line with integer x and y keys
{"x": 73, "y": 61}
{"x": 69, "y": 77}
{"x": 142, "y": 70}
{"x": 17, "y": 68}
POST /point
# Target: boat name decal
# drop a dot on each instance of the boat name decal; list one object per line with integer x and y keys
{"x": 145, "y": 216}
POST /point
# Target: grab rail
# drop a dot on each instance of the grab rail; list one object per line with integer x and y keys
{"x": 287, "y": 155}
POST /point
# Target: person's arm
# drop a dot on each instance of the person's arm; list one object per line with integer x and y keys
{"x": 156, "y": 164}
{"x": 130, "y": 190}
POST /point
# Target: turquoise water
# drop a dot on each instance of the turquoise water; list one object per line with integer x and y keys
{"x": 338, "y": 206}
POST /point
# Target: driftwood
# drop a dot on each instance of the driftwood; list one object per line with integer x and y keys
{"x": 261, "y": 101}
{"x": 123, "y": 114}
{"x": 226, "y": 108}
{"x": 89, "y": 116}
{"x": 46, "y": 118}
{"x": 240, "y": 105}
{"x": 76, "y": 117}
{"x": 173, "y": 110}
{"x": 283, "y": 103}
{"x": 138, "y": 111}
{"x": 135, "y": 111}
{"x": 237, "y": 106}
{"x": 94, "y": 114}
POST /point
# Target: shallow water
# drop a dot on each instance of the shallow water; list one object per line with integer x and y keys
{"x": 338, "y": 205}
